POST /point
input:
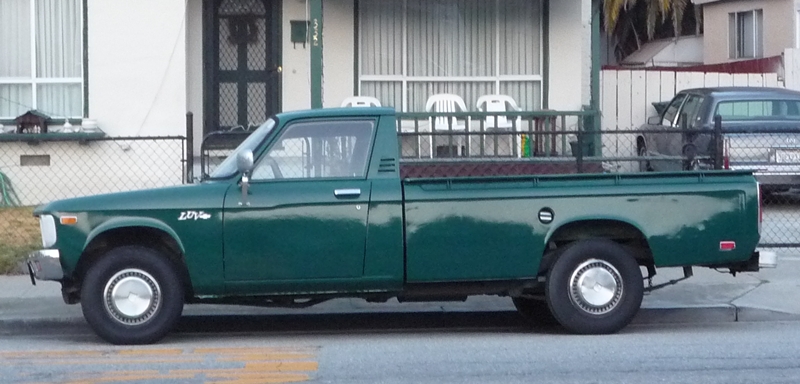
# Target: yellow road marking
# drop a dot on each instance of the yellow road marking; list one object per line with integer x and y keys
{"x": 289, "y": 366}
{"x": 109, "y": 379}
{"x": 244, "y": 365}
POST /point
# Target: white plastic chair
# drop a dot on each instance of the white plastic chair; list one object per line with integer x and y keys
{"x": 498, "y": 103}
{"x": 447, "y": 103}
{"x": 361, "y": 101}
{"x": 501, "y": 103}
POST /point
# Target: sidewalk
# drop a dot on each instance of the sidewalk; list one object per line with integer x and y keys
{"x": 707, "y": 297}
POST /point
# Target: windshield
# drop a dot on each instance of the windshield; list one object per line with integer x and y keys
{"x": 228, "y": 167}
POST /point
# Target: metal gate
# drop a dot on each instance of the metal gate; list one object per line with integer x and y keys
{"x": 242, "y": 63}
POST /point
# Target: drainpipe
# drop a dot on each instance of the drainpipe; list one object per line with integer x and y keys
{"x": 594, "y": 103}
{"x": 316, "y": 52}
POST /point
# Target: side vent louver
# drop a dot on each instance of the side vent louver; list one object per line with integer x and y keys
{"x": 387, "y": 165}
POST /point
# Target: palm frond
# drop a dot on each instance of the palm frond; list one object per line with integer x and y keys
{"x": 678, "y": 8}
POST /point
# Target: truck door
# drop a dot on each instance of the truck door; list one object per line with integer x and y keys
{"x": 305, "y": 216}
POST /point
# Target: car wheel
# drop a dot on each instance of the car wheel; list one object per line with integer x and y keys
{"x": 535, "y": 311}
{"x": 132, "y": 295}
{"x": 594, "y": 287}
{"x": 644, "y": 165}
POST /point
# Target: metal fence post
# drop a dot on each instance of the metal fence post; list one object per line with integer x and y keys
{"x": 718, "y": 142}
{"x": 579, "y": 157}
{"x": 189, "y": 147}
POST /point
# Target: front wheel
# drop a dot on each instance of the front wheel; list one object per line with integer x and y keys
{"x": 594, "y": 287}
{"x": 132, "y": 295}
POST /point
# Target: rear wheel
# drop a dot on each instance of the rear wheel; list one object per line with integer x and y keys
{"x": 132, "y": 295}
{"x": 594, "y": 287}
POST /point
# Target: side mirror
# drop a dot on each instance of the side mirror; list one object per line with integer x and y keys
{"x": 244, "y": 161}
{"x": 654, "y": 120}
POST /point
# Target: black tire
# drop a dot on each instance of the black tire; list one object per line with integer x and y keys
{"x": 535, "y": 311}
{"x": 131, "y": 270}
{"x": 612, "y": 300}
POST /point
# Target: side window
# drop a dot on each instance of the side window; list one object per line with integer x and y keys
{"x": 690, "y": 109}
{"x": 766, "y": 109}
{"x": 672, "y": 110}
{"x": 318, "y": 149}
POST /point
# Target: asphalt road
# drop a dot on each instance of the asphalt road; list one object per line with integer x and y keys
{"x": 478, "y": 348}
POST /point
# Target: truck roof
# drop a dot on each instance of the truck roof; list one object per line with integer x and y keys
{"x": 336, "y": 112}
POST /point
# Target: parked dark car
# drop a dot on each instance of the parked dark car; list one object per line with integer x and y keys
{"x": 760, "y": 131}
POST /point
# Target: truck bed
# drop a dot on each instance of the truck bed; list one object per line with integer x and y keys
{"x": 492, "y": 228}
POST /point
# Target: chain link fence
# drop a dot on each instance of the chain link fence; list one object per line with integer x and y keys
{"x": 34, "y": 173}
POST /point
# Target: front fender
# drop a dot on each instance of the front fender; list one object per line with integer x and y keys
{"x": 123, "y": 222}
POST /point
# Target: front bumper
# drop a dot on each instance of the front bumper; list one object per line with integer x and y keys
{"x": 45, "y": 264}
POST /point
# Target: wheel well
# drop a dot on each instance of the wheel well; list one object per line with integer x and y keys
{"x": 144, "y": 236}
{"x": 620, "y": 232}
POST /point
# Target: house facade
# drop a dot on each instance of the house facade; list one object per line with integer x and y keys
{"x": 136, "y": 68}
{"x": 748, "y": 29}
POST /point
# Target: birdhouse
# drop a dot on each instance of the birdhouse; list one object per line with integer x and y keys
{"x": 32, "y": 121}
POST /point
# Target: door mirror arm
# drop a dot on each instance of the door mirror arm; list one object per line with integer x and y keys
{"x": 244, "y": 163}
{"x": 245, "y": 185}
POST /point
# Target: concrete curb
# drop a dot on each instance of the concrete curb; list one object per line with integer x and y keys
{"x": 392, "y": 320}
{"x": 43, "y": 326}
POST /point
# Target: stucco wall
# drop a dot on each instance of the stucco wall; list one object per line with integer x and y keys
{"x": 137, "y": 67}
{"x": 338, "y": 53}
{"x": 194, "y": 67}
{"x": 778, "y": 29}
{"x": 296, "y": 60}
{"x": 570, "y": 54}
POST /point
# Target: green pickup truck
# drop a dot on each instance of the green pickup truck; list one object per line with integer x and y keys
{"x": 312, "y": 207}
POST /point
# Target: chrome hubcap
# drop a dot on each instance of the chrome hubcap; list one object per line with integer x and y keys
{"x": 132, "y": 296}
{"x": 595, "y": 287}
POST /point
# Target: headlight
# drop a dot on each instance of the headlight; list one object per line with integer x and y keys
{"x": 47, "y": 225}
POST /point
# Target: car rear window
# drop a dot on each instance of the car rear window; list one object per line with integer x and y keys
{"x": 759, "y": 110}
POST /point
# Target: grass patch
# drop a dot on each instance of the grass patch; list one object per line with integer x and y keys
{"x": 19, "y": 234}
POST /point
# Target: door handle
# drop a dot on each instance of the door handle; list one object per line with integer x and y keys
{"x": 347, "y": 192}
